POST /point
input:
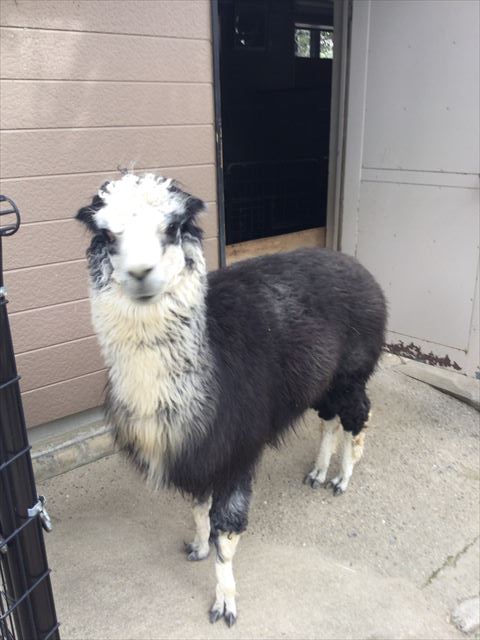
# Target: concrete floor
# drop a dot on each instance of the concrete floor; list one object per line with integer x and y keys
{"x": 387, "y": 560}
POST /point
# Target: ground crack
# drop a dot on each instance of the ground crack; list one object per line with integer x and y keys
{"x": 451, "y": 561}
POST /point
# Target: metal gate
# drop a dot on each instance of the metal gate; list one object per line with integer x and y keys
{"x": 27, "y": 609}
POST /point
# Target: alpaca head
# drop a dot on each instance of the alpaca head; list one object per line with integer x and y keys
{"x": 144, "y": 235}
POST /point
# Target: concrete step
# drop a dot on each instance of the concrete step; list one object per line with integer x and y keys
{"x": 66, "y": 451}
{"x": 455, "y": 384}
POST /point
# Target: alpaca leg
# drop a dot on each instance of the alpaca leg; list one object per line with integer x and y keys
{"x": 352, "y": 451}
{"x": 354, "y": 412}
{"x": 229, "y": 516}
{"x": 330, "y": 433}
{"x": 340, "y": 482}
{"x": 225, "y": 604}
{"x": 358, "y": 444}
{"x": 200, "y": 548}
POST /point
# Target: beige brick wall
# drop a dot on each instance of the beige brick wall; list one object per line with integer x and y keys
{"x": 86, "y": 87}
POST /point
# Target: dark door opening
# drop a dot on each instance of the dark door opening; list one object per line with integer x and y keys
{"x": 275, "y": 83}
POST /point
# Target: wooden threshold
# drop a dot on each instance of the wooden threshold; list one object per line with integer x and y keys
{"x": 275, "y": 244}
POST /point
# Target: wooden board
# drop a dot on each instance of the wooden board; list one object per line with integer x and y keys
{"x": 275, "y": 244}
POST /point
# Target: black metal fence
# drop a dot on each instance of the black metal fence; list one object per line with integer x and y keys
{"x": 271, "y": 198}
{"x": 27, "y": 609}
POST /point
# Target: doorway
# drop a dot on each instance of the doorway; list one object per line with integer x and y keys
{"x": 275, "y": 63}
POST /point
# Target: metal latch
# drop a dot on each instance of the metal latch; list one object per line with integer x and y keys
{"x": 40, "y": 510}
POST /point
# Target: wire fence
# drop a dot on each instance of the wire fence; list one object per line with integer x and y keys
{"x": 27, "y": 609}
{"x": 271, "y": 198}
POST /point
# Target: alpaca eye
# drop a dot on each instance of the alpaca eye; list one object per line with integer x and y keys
{"x": 108, "y": 235}
{"x": 172, "y": 229}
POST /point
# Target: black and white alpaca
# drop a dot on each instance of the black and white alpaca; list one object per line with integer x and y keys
{"x": 205, "y": 370}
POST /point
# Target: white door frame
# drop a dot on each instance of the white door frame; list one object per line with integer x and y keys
{"x": 349, "y": 82}
{"x": 338, "y": 105}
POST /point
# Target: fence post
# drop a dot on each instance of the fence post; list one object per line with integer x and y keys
{"x": 27, "y": 609}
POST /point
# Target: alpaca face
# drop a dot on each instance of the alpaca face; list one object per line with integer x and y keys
{"x": 142, "y": 227}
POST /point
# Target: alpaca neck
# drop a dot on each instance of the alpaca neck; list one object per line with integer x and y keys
{"x": 160, "y": 368}
{"x": 154, "y": 351}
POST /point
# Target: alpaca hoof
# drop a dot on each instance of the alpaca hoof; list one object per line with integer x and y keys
{"x": 230, "y": 618}
{"x": 313, "y": 480}
{"x": 215, "y": 614}
{"x": 220, "y": 610}
{"x": 336, "y": 486}
{"x": 194, "y": 553}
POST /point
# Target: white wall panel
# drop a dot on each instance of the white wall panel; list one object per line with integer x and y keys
{"x": 423, "y": 66}
{"x": 419, "y": 241}
{"x": 411, "y": 186}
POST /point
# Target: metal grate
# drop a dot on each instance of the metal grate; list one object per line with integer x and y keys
{"x": 27, "y": 609}
{"x": 270, "y": 198}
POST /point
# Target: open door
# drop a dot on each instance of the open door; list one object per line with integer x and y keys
{"x": 275, "y": 86}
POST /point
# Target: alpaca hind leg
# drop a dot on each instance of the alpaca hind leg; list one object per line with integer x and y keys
{"x": 340, "y": 482}
{"x": 354, "y": 421}
{"x": 330, "y": 433}
{"x": 200, "y": 547}
{"x": 229, "y": 518}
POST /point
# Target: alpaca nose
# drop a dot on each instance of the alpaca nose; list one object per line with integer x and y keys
{"x": 140, "y": 273}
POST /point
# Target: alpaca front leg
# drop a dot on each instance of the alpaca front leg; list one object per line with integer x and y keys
{"x": 225, "y": 604}
{"x": 229, "y": 517}
{"x": 200, "y": 547}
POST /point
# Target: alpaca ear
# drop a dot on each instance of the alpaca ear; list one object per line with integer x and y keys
{"x": 85, "y": 214}
{"x": 193, "y": 207}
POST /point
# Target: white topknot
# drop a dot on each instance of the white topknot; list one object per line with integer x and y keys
{"x": 133, "y": 195}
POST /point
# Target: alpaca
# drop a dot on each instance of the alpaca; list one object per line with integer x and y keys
{"x": 204, "y": 370}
